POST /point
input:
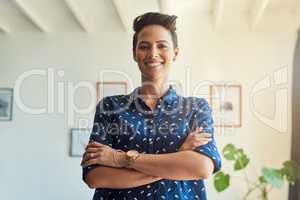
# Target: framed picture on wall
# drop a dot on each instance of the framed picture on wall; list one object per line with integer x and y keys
{"x": 109, "y": 88}
{"x": 226, "y": 103}
{"x": 6, "y": 104}
{"x": 79, "y": 140}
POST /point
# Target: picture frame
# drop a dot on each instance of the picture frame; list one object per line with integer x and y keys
{"x": 79, "y": 139}
{"x": 6, "y": 104}
{"x": 109, "y": 88}
{"x": 226, "y": 103}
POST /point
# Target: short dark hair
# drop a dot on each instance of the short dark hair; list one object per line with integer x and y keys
{"x": 155, "y": 18}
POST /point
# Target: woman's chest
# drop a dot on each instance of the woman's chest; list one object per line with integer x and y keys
{"x": 163, "y": 132}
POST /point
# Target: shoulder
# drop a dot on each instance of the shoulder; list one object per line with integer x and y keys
{"x": 198, "y": 103}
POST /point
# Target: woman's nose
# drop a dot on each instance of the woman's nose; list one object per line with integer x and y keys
{"x": 153, "y": 52}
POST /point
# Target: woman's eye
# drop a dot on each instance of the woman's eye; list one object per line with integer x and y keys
{"x": 143, "y": 47}
{"x": 162, "y": 46}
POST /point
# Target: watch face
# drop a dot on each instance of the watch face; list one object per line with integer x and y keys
{"x": 132, "y": 153}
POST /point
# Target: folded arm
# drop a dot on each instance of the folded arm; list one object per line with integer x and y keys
{"x": 117, "y": 178}
{"x": 183, "y": 165}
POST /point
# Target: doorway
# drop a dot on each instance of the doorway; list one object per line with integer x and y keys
{"x": 294, "y": 191}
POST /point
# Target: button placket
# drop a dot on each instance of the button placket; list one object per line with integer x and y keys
{"x": 151, "y": 133}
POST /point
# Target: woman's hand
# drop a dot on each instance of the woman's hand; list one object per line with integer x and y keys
{"x": 195, "y": 139}
{"x": 97, "y": 153}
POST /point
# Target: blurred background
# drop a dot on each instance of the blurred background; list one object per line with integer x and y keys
{"x": 53, "y": 53}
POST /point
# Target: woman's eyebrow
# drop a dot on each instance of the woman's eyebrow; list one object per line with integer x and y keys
{"x": 162, "y": 41}
{"x": 158, "y": 41}
{"x": 143, "y": 42}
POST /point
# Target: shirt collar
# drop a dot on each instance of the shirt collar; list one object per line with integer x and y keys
{"x": 168, "y": 97}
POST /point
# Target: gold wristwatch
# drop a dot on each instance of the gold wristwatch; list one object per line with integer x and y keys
{"x": 131, "y": 156}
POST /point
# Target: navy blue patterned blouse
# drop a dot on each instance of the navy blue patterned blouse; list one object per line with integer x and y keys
{"x": 125, "y": 122}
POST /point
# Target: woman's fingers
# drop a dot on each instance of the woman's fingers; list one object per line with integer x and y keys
{"x": 204, "y": 135}
{"x": 201, "y": 142}
{"x": 203, "y": 139}
{"x": 198, "y": 130}
{"x": 90, "y": 162}
{"x": 84, "y": 158}
{"x": 89, "y": 156}
{"x": 201, "y": 135}
{"x": 94, "y": 144}
{"x": 92, "y": 150}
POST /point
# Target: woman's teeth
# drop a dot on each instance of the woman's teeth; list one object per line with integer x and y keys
{"x": 156, "y": 64}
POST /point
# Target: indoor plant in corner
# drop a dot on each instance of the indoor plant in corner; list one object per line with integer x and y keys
{"x": 270, "y": 177}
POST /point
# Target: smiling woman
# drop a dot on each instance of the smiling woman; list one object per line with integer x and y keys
{"x": 154, "y": 52}
{"x": 155, "y": 48}
{"x": 152, "y": 143}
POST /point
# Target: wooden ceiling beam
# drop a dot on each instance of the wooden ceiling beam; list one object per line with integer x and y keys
{"x": 35, "y": 20}
{"x": 218, "y": 13}
{"x": 4, "y": 29}
{"x": 120, "y": 6}
{"x": 164, "y": 6}
{"x": 258, "y": 11}
{"x": 75, "y": 10}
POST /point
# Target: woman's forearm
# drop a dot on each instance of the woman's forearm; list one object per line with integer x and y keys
{"x": 117, "y": 178}
{"x": 183, "y": 165}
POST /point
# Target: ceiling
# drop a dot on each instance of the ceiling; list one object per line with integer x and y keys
{"x": 52, "y": 16}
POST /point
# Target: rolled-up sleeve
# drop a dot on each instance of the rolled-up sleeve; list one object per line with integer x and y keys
{"x": 203, "y": 118}
{"x": 99, "y": 132}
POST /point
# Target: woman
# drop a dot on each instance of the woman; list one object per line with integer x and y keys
{"x": 152, "y": 143}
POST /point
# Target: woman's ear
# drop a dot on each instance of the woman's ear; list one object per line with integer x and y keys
{"x": 175, "y": 53}
{"x": 133, "y": 54}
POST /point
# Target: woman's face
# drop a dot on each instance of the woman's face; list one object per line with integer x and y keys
{"x": 154, "y": 52}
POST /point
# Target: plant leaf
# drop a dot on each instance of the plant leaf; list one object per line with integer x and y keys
{"x": 239, "y": 153}
{"x": 264, "y": 193}
{"x": 241, "y": 162}
{"x": 273, "y": 177}
{"x": 262, "y": 179}
{"x": 291, "y": 170}
{"x": 229, "y": 152}
{"x": 221, "y": 181}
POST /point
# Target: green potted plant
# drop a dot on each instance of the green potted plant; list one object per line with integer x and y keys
{"x": 270, "y": 177}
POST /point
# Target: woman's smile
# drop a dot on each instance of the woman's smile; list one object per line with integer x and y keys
{"x": 153, "y": 63}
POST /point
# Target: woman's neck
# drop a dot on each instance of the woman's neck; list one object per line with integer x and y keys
{"x": 153, "y": 89}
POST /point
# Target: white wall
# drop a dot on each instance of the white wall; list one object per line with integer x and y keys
{"x": 35, "y": 163}
{"x": 235, "y": 54}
